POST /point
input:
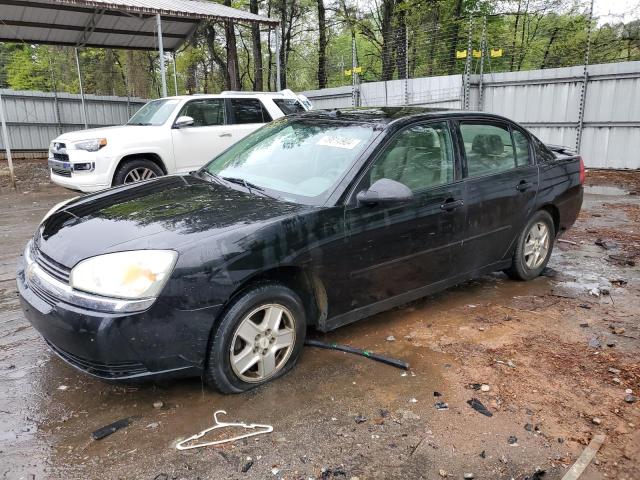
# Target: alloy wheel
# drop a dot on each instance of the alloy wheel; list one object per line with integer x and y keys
{"x": 138, "y": 174}
{"x": 536, "y": 245}
{"x": 262, "y": 343}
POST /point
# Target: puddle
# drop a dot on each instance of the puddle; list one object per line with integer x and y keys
{"x": 608, "y": 190}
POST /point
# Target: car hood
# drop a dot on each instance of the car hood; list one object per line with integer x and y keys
{"x": 166, "y": 213}
{"x": 106, "y": 132}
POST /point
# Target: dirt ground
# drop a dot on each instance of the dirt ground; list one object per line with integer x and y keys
{"x": 556, "y": 353}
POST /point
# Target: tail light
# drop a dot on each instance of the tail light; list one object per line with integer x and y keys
{"x": 582, "y": 172}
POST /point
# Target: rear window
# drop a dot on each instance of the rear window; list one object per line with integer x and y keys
{"x": 289, "y": 105}
{"x": 249, "y": 110}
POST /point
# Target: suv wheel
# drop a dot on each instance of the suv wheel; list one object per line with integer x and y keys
{"x": 534, "y": 247}
{"x": 259, "y": 338}
{"x": 136, "y": 170}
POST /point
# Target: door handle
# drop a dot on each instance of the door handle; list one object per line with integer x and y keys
{"x": 225, "y": 134}
{"x": 451, "y": 204}
{"x": 523, "y": 186}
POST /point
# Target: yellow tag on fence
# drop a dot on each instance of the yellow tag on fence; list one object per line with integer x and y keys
{"x": 347, "y": 73}
{"x": 461, "y": 54}
{"x": 357, "y": 70}
{"x": 496, "y": 52}
{"x": 477, "y": 54}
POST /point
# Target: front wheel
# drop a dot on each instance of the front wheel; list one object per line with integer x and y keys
{"x": 136, "y": 170}
{"x": 533, "y": 247}
{"x": 258, "y": 339}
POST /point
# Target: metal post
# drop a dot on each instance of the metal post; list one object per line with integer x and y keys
{"x": 163, "y": 76}
{"x": 175, "y": 74}
{"x": 84, "y": 107}
{"x": 56, "y": 103}
{"x": 354, "y": 75}
{"x": 585, "y": 80}
{"x": 278, "y": 66}
{"x": 483, "y": 48}
{"x": 406, "y": 64}
{"x": 7, "y": 147}
{"x": 467, "y": 67}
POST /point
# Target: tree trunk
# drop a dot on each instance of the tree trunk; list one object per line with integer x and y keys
{"x": 387, "y": 39}
{"x": 322, "y": 46}
{"x": 456, "y": 31}
{"x": 548, "y": 49}
{"x": 258, "y": 82}
{"x": 515, "y": 36}
{"x": 401, "y": 44}
{"x": 283, "y": 39}
{"x": 232, "y": 53}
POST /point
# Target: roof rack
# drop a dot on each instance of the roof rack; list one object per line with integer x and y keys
{"x": 282, "y": 93}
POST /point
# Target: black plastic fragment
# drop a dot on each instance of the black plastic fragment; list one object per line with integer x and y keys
{"x": 479, "y": 407}
{"x": 111, "y": 428}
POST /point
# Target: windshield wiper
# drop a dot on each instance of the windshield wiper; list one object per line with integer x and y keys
{"x": 248, "y": 185}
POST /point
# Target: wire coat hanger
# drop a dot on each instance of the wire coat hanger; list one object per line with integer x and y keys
{"x": 218, "y": 424}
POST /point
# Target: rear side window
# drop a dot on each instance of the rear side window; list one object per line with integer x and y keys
{"x": 488, "y": 149}
{"x": 289, "y": 105}
{"x": 249, "y": 110}
{"x": 205, "y": 112}
{"x": 420, "y": 157}
{"x": 543, "y": 154}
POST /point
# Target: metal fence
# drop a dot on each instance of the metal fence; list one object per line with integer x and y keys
{"x": 604, "y": 120}
{"x": 35, "y": 118}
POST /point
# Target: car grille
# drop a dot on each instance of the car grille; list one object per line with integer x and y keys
{"x": 61, "y": 172}
{"x": 105, "y": 370}
{"x": 53, "y": 268}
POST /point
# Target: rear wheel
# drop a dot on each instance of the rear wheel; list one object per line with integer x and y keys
{"x": 258, "y": 339}
{"x": 534, "y": 247}
{"x": 136, "y": 170}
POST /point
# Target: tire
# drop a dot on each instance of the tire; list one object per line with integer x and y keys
{"x": 525, "y": 265}
{"x": 130, "y": 170}
{"x": 237, "y": 360}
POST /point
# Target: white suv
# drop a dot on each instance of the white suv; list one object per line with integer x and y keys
{"x": 169, "y": 135}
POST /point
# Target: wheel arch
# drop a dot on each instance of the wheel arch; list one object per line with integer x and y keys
{"x": 153, "y": 157}
{"x": 552, "y": 210}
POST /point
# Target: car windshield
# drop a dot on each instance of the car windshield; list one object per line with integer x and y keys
{"x": 298, "y": 160}
{"x": 155, "y": 112}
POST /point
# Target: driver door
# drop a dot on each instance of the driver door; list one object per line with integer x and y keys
{"x": 394, "y": 249}
{"x": 195, "y": 145}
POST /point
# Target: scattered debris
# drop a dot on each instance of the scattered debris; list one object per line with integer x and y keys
{"x": 63, "y": 387}
{"x": 248, "y": 464}
{"x": 475, "y": 386}
{"x": 630, "y": 398}
{"x": 585, "y": 306}
{"x": 152, "y": 425}
{"x": 391, "y": 338}
{"x": 469, "y": 476}
{"x": 483, "y": 454}
{"x": 537, "y": 475}
{"x": 617, "y": 330}
{"x": 408, "y": 415}
{"x": 111, "y": 428}
{"x": 443, "y": 473}
{"x": 158, "y": 404}
{"x": 360, "y": 419}
{"x": 585, "y": 459}
{"x": 596, "y": 421}
{"x": 594, "y": 342}
{"x": 257, "y": 428}
{"x": 413, "y": 400}
{"x": 479, "y": 407}
{"x": 622, "y": 260}
{"x": 365, "y": 353}
{"x": 528, "y": 427}
{"x": 615, "y": 371}
{"x": 562, "y": 240}
{"x": 484, "y": 387}
{"x": 275, "y": 471}
{"x": 512, "y": 440}
{"x": 437, "y": 394}
{"x": 442, "y": 406}
{"x": 606, "y": 244}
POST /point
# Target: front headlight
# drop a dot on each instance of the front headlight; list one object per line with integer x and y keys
{"x": 91, "y": 145}
{"x": 57, "y": 207}
{"x": 132, "y": 274}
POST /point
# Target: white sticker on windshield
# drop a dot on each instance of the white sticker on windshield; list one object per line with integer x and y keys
{"x": 338, "y": 142}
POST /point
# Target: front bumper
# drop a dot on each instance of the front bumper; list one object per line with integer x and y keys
{"x": 161, "y": 341}
{"x": 96, "y": 173}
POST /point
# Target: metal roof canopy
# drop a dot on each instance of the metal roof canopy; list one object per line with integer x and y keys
{"x": 126, "y": 24}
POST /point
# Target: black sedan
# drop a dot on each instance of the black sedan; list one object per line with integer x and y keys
{"x": 318, "y": 219}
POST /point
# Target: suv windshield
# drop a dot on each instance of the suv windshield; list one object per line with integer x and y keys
{"x": 299, "y": 160}
{"x": 155, "y": 112}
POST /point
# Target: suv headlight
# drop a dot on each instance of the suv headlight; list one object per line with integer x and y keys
{"x": 91, "y": 145}
{"x": 131, "y": 275}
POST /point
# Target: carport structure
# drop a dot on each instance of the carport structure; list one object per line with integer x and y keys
{"x": 120, "y": 24}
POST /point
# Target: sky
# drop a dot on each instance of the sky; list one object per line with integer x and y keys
{"x": 616, "y": 10}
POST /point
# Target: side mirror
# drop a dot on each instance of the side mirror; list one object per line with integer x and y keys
{"x": 385, "y": 192}
{"x": 183, "y": 121}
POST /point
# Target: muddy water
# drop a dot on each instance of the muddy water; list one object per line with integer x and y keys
{"x": 48, "y": 410}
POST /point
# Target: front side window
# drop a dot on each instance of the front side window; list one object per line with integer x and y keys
{"x": 205, "y": 112}
{"x": 155, "y": 112}
{"x": 420, "y": 157}
{"x": 488, "y": 148}
{"x": 299, "y": 160}
{"x": 249, "y": 110}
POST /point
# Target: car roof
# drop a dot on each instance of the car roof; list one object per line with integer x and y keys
{"x": 231, "y": 94}
{"x": 384, "y": 116}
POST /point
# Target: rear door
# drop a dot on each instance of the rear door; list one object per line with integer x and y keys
{"x": 246, "y": 115}
{"x": 393, "y": 249}
{"x": 195, "y": 145}
{"x": 501, "y": 183}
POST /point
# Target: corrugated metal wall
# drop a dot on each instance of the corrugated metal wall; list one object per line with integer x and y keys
{"x": 545, "y": 101}
{"x": 33, "y": 119}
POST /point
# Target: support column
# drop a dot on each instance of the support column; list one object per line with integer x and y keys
{"x": 7, "y": 147}
{"x": 84, "y": 106}
{"x": 278, "y": 66}
{"x": 163, "y": 75}
{"x": 585, "y": 82}
{"x": 406, "y": 65}
{"x": 175, "y": 74}
{"x": 483, "y": 51}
